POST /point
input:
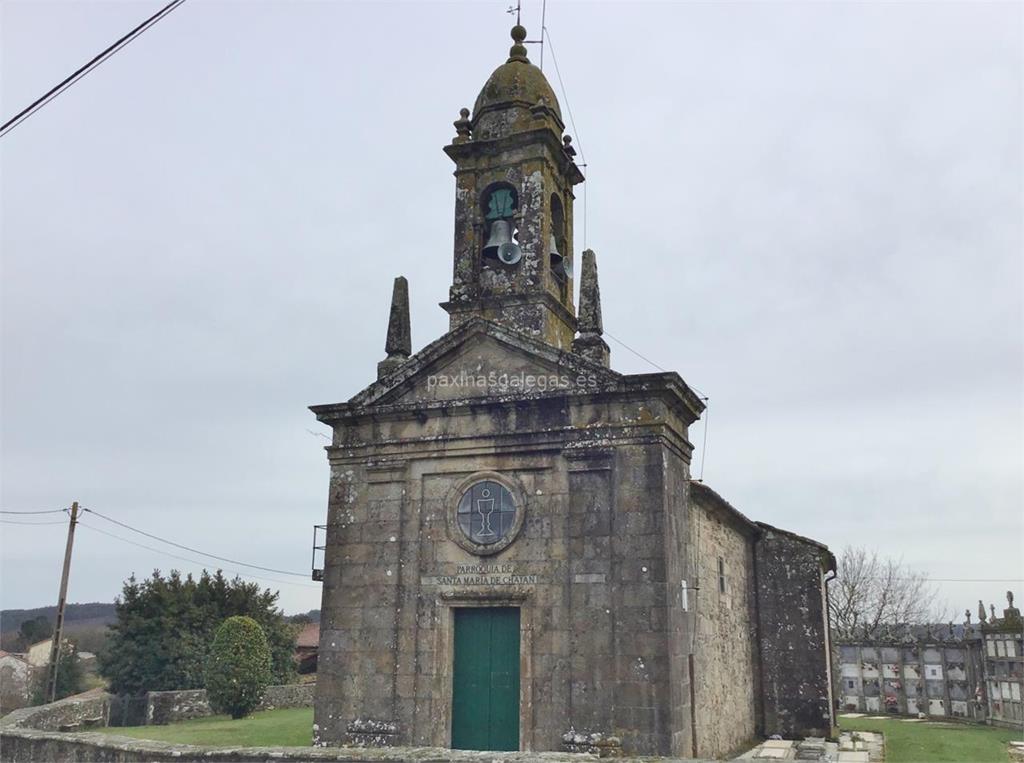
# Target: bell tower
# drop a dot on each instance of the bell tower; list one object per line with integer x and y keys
{"x": 514, "y": 178}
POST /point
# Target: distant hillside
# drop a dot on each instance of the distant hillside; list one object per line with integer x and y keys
{"x": 93, "y": 613}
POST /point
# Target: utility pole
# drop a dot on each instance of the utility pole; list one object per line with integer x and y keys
{"x": 58, "y": 626}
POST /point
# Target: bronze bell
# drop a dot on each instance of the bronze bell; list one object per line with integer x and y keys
{"x": 501, "y": 233}
{"x": 559, "y": 265}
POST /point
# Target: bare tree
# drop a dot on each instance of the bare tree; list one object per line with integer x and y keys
{"x": 874, "y": 597}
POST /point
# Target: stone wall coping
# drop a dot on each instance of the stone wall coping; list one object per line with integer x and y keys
{"x": 367, "y": 402}
{"x": 160, "y": 751}
{"x": 828, "y": 557}
{"x": 20, "y": 717}
{"x": 891, "y": 643}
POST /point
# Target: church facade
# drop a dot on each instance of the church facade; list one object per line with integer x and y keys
{"x": 517, "y": 557}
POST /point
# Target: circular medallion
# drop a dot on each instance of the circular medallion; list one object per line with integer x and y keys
{"x": 487, "y": 515}
{"x": 487, "y": 512}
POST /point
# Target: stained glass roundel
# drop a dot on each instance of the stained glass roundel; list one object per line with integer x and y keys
{"x": 487, "y": 512}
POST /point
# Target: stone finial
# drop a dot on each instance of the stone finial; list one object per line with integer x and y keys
{"x": 1011, "y": 612}
{"x": 590, "y": 321}
{"x": 981, "y": 611}
{"x": 462, "y": 127}
{"x": 399, "y": 342}
{"x": 967, "y": 614}
{"x": 992, "y": 608}
{"x": 589, "y": 343}
{"x": 567, "y": 146}
{"x": 518, "y": 51}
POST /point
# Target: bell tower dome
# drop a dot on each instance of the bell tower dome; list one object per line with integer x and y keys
{"x": 514, "y": 178}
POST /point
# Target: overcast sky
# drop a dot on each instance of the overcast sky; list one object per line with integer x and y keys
{"x": 812, "y": 211}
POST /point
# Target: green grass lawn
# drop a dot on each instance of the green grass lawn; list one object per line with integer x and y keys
{"x": 927, "y": 742}
{"x": 292, "y": 727}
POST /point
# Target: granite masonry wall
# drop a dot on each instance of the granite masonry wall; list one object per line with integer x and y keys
{"x": 725, "y": 651}
{"x": 794, "y": 637}
{"x": 600, "y": 627}
{"x": 597, "y": 567}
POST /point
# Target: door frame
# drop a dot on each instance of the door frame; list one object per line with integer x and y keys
{"x": 447, "y": 603}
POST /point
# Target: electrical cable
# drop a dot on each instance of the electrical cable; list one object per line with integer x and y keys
{"x": 16, "y": 522}
{"x": 47, "y": 511}
{"x": 642, "y": 357}
{"x": 701, "y": 395}
{"x": 543, "y": 16}
{"x": 546, "y": 35}
{"x": 565, "y": 96}
{"x": 195, "y": 550}
{"x": 83, "y": 70}
{"x": 704, "y": 445}
{"x": 194, "y": 561}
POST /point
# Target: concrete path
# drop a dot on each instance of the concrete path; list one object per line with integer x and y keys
{"x": 853, "y": 747}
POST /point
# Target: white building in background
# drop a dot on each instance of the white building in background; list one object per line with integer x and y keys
{"x": 38, "y": 655}
{"x": 961, "y": 671}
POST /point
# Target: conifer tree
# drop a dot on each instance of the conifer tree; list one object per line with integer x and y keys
{"x": 165, "y": 626}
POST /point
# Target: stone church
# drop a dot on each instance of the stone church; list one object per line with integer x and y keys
{"x": 517, "y": 557}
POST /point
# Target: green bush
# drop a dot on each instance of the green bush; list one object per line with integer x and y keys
{"x": 165, "y": 627}
{"x": 238, "y": 669}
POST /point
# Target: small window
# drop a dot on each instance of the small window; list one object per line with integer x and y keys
{"x": 499, "y": 202}
{"x": 721, "y": 575}
{"x": 850, "y": 684}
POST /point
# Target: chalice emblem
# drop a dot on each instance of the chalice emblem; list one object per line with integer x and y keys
{"x": 485, "y": 507}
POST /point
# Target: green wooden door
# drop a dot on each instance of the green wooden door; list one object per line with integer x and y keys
{"x": 485, "y": 682}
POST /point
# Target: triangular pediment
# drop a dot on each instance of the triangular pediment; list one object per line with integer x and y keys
{"x": 481, "y": 359}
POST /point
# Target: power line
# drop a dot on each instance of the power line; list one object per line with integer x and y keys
{"x": 642, "y": 357}
{"x": 701, "y": 395}
{"x": 958, "y": 580}
{"x": 195, "y": 550}
{"x": 565, "y": 96}
{"x": 704, "y": 445}
{"x": 47, "y": 511}
{"x": 546, "y": 38}
{"x": 194, "y": 561}
{"x": 923, "y": 578}
{"x": 83, "y": 70}
{"x": 16, "y": 522}
{"x": 543, "y": 16}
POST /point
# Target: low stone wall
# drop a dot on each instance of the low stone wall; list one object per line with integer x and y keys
{"x": 28, "y": 736}
{"x": 163, "y": 707}
{"x": 288, "y": 695}
{"x": 19, "y": 745}
{"x": 80, "y": 711}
